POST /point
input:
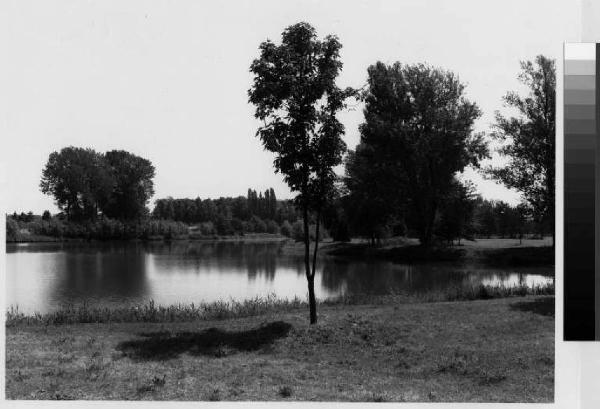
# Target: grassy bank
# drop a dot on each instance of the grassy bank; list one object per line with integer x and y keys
{"x": 482, "y": 350}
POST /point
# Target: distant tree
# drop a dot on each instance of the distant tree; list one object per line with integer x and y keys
{"x": 257, "y": 225}
{"x": 286, "y": 229}
{"x": 133, "y": 185}
{"x": 207, "y": 229}
{"x": 485, "y": 218}
{"x": 210, "y": 209}
{"x": 272, "y": 203}
{"x": 12, "y": 229}
{"x": 456, "y": 213}
{"x": 199, "y": 211}
{"x": 297, "y": 100}
{"x": 528, "y": 140}
{"x": 298, "y": 232}
{"x": 335, "y": 220}
{"x": 46, "y": 215}
{"x": 272, "y": 227}
{"x": 502, "y": 213}
{"x": 237, "y": 225}
{"x": 223, "y": 225}
{"x": 79, "y": 181}
{"x": 522, "y": 215}
{"x": 419, "y": 116}
{"x": 239, "y": 208}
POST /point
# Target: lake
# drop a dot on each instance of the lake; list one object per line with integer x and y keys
{"x": 41, "y": 277}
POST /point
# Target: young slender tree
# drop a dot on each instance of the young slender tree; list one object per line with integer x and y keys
{"x": 528, "y": 140}
{"x": 297, "y": 99}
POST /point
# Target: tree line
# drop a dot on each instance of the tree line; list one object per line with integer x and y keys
{"x": 265, "y": 207}
{"x": 255, "y": 213}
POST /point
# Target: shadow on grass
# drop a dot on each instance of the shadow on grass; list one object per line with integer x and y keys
{"x": 215, "y": 342}
{"x": 542, "y": 306}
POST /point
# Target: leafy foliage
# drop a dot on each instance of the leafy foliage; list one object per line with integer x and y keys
{"x": 85, "y": 183}
{"x": 12, "y": 229}
{"x": 456, "y": 213}
{"x": 297, "y": 99}
{"x": 418, "y": 131}
{"x": 528, "y": 140}
{"x": 374, "y": 186}
{"x": 256, "y": 213}
{"x": 132, "y": 187}
{"x": 79, "y": 181}
{"x": 100, "y": 229}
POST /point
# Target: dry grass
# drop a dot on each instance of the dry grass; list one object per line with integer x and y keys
{"x": 492, "y": 350}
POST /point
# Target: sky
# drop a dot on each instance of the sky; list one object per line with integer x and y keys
{"x": 168, "y": 80}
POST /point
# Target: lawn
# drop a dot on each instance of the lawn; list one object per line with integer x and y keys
{"x": 483, "y": 350}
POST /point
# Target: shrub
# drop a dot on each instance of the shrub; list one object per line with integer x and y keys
{"x": 207, "y": 229}
{"x": 285, "y": 391}
{"x": 238, "y": 226}
{"x": 223, "y": 226}
{"x": 298, "y": 230}
{"x": 286, "y": 229}
{"x": 258, "y": 225}
{"x": 272, "y": 227}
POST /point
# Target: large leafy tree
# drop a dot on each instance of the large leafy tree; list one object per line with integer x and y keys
{"x": 374, "y": 191}
{"x": 418, "y": 119}
{"x": 79, "y": 181}
{"x": 528, "y": 139}
{"x": 297, "y": 99}
{"x": 133, "y": 185}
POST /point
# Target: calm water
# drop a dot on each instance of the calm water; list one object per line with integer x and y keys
{"x": 42, "y": 277}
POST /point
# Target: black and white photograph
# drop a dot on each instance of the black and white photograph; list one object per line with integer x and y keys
{"x": 339, "y": 201}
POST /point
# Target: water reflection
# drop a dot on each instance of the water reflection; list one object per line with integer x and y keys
{"x": 41, "y": 277}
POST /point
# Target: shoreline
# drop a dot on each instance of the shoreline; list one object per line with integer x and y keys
{"x": 258, "y": 237}
{"x": 233, "y": 309}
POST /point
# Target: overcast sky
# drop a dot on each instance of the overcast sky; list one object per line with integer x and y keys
{"x": 168, "y": 80}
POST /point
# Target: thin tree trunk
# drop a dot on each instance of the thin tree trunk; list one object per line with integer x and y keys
{"x": 312, "y": 302}
{"x": 309, "y": 277}
{"x": 314, "y": 266}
